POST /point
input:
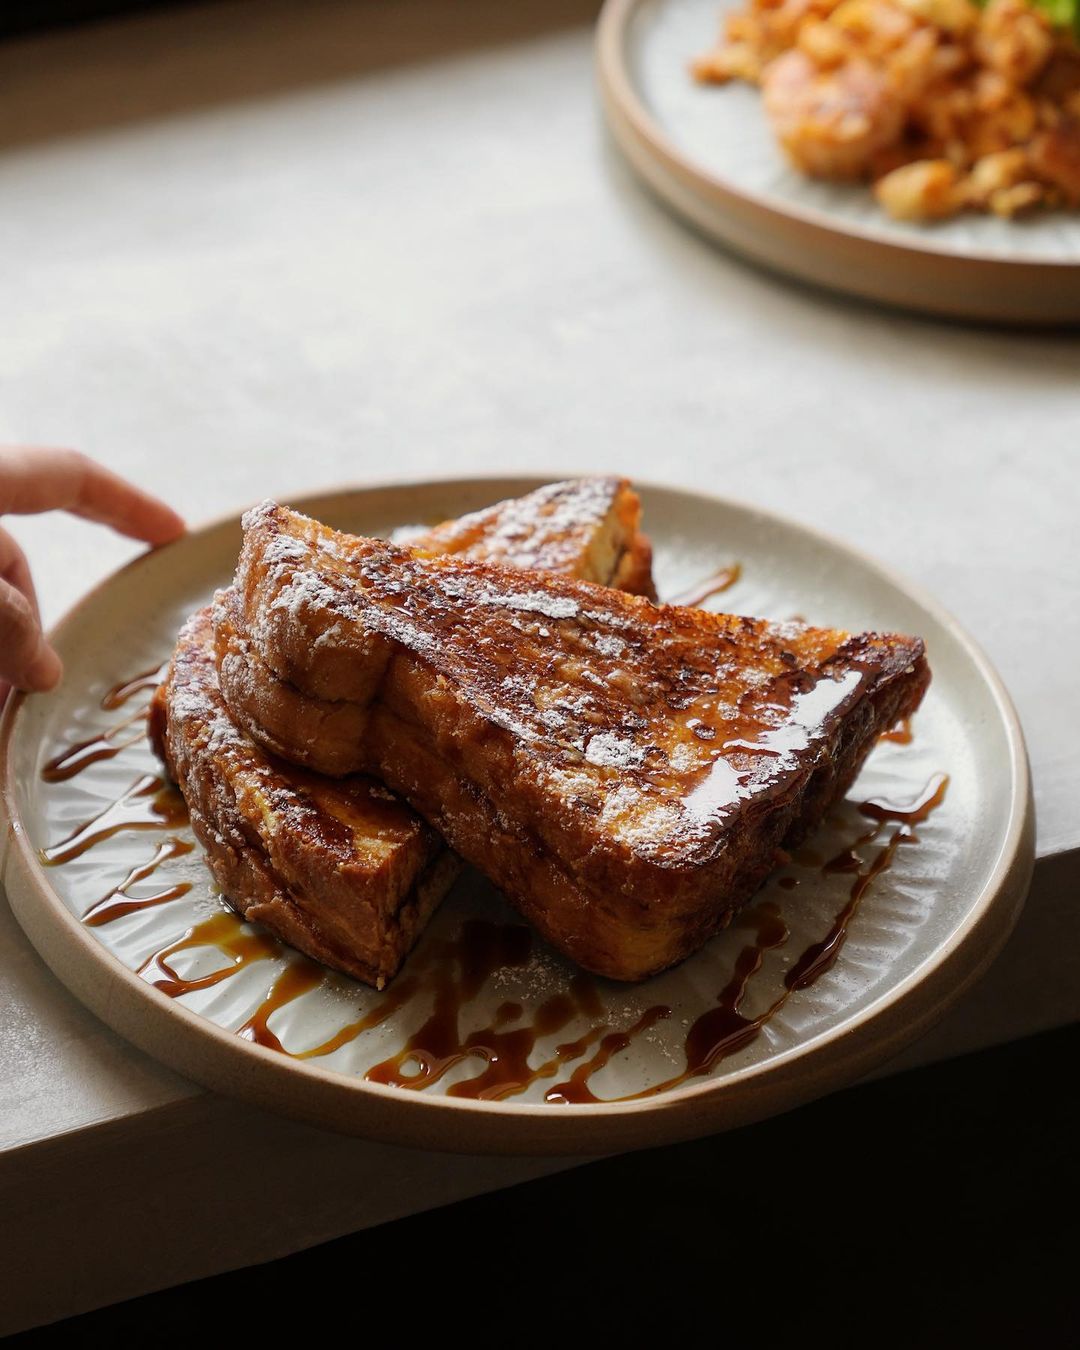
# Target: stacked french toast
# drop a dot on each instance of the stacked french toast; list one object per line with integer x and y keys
{"x": 353, "y": 716}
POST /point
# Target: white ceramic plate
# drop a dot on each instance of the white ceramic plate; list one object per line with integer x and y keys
{"x": 925, "y": 928}
{"x": 708, "y": 151}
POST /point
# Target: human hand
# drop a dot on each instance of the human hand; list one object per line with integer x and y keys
{"x": 37, "y": 479}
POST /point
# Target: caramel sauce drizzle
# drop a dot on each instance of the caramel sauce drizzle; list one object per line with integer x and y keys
{"x": 295, "y": 980}
{"x": 110, "y": 907}
{"x": 463, "y": 969}
{"x": 226, "y": 932}
{"x": 74, "y": 758}
{"x": 80, "y": 755}
{"x": 914, "y": 812}
{"x": 145, "y": 682}
{"x": 506, "y": 1053}
{"x": 723, "y": 1030}
{"x": 507, "y": 1071}
{"x": 721, "y": 580}
{"x": 404, "y": 989}
{"x": 901, "y": 734}
{"x": 576, "y": 1089}
{"x": 148, "y": 804}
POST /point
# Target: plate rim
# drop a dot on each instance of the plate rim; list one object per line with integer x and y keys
{"x": 620, "y": 92}
{"x": 219, "y": 1059}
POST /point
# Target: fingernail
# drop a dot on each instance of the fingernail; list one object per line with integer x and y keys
{"x": 44, "y": 670}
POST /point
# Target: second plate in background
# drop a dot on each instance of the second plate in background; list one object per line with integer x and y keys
{"x": 708, "y": 152}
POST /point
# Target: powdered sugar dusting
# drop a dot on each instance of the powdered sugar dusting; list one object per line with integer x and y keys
{"x": 661, "y": 724}
{"x": 535, "y": 602}
{"x": 304, "y": 587}
{"x": 259, "y": 514}
{"x": 553, "y": 529}
{"x": 610, "y": 751}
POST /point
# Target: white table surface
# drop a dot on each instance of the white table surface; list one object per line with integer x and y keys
{"x": 263, "y": 249}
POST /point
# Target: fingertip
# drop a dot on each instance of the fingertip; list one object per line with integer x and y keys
{"x": 43, "y": 672}
{"x": 156, "y": 524}
{"x": 170, "y": 526}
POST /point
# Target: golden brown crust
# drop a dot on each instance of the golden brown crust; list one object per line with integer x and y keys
{"x": 589, "y": 528}
{"x": 633, "y": 570}
{"x": 636, "y": 766}
{"x": 315, "y": 861}
{"x": 339, "y": 869}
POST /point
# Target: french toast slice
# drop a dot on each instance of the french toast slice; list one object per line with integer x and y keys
{"x": 342, "y": 870}
{"x": 584, "y": 527}
{"x": 624, "y": 772}
{"x": 338, "y": 868}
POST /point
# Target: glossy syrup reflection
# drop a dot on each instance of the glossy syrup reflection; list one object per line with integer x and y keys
{"x": 506, "y": 1045}
{"x": 148, "y": 804}
{"x": 459, "y": 972}
{"x": 79, "y": 755}
{"x": 456, "y": 973}
{"x": 125, "y": 690}
{"x": 297, "y": 979}
{"x": 119, "y": 902}
{"x": 224, "y": 932}
{"x": 901, "y": 734}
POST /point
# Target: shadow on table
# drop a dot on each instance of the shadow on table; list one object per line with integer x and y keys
{"x": 924, "y": 1210}
{"x": 178, "y": 61}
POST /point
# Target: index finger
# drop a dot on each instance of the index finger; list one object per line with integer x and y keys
{"x": 34, "y": 479}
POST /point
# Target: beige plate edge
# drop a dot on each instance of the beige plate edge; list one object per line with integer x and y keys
{"x": 811, "y": 245}
{"x": 222, "y": 1061}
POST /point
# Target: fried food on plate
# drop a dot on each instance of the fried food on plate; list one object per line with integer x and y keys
{"x": 623, "y": 772}
{"x": 342, "y": 870}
